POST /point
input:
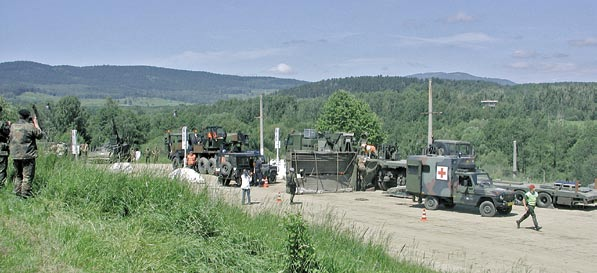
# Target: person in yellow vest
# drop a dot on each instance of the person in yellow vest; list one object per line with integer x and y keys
{"x": 529, "y": 203}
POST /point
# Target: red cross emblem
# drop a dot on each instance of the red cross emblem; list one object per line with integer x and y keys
{"x": 442, "y": 173}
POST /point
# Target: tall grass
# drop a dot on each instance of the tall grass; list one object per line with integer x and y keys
{"x": 86, "y": 220}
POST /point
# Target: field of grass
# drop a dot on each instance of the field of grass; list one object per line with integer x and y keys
{"x": 86, "y": 220}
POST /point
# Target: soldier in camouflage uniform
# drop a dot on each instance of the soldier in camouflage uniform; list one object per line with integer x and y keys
{"x": 23, "y": 148}
{"x": 4, "y": 151}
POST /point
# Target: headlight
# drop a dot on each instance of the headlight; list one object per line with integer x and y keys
{"x": 501, "y": 197}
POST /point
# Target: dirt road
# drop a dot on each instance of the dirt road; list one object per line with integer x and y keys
{"x": 454, "y": 240}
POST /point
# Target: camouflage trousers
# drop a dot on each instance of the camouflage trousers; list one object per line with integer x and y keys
{"x": 3, "y": 168}
{"x": 24, "y": 174}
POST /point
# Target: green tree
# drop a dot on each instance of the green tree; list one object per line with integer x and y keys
{"x": 67, "y": 115}
{"x": 343, "y": 112}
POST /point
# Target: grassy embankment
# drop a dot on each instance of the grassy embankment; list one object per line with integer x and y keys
{"x": 85, "y": 220}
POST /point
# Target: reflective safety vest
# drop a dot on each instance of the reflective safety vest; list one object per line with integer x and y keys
{"x": 531, "y": 198}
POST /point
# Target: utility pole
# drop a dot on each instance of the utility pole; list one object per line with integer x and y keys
{"x": 261, "y": 124}
{"x": 430, "y": 117}
{"x": 514, "y": 159}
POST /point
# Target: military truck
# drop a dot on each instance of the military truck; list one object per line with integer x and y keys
{"x": 439, "y": 181}
{"x": 233, "y": 163}
{"x": 566, "y": 193}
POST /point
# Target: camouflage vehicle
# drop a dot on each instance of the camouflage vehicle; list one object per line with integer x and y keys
{"x": 439, "y": 180}
{"x": 461, "y": 149}
{"x": 565, "y": 193}
{"x": 385, "y": 171}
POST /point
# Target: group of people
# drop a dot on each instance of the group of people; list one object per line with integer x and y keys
{"x": 19, "y": 140}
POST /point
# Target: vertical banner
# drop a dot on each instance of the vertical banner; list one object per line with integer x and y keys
{"x": 184, "y": 145}
{"x": 74, "y": 147}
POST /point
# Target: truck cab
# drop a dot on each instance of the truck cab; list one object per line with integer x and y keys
{"x": 440, "y": 181}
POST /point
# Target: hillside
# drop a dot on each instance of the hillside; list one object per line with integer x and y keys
{"x": 99, "y": 82}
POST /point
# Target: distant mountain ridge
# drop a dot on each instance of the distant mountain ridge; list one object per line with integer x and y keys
{"x": 132, "y": 81}
{"x": 459, "y": 76}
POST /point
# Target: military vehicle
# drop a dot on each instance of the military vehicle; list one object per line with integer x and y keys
{"x": 439, "y": 180}
{"x": 566, "y": 193}
{"x": 218, "y": 153}
{"x": 323, "y": 161}
{"x": 233, "y": 163}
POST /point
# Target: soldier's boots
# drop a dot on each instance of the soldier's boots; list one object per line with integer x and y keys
{"x": 517, "y": 223}
{"x": 537, "y": 228}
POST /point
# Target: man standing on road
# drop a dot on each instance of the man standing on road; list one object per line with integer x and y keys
{"x": 257, "y": 172}
{"x": 529, "y": 203}
{"x": 4, "y": 151}
{"x": 291, "y": 184}
{"x": 23, "y": 148}
{"x": 245, "y": 186}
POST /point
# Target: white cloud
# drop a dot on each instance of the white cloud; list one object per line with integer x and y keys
{"x": 584, "y": 42}
{"x": 282, "y": 68}
{"x": 460, "y": 17}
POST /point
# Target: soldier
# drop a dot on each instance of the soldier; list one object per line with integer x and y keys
{"x": 4, "y": 151}
{"x": 291, "y": 181}
{"x": 23, "y": 148}
{"x": 258, "y": 173}
{"x": 147, "y": 155}
{"x": 155, "y": 153}
{"x": 529, "y": 201}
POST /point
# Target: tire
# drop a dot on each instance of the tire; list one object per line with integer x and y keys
{"x": 518, "y": 197}
{"x": 505, "y": 211}
{"x": 271, "y": 178}
{"x": 226, "y": 169}
{"x": 202, "y": 165}
{"x": 487, "y": 209}
{"x": 175, "y": 163}
{"x": 431, "y": 203}
{"x": 544, "y": 200}
{"x": 211, "y": 166}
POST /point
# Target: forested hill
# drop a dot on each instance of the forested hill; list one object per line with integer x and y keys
{"x": 131, "y": 81}
{"x": 459, "y": 76}
{"x": 368, "y": 84}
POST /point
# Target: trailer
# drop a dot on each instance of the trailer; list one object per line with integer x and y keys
{"x": 564, "y": 193}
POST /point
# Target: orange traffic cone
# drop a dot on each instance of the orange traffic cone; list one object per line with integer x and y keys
{"x": 424, "y": 216}
{"x": 265, "y": 184}
{"x": 279, "y": 198}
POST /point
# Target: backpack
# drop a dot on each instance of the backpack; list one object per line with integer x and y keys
{"x": 292, "y": 181}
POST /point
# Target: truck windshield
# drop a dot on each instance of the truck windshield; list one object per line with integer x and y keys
{"x": 483, "y": 179}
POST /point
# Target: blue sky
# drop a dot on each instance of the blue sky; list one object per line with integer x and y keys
{"x": 523, "y": 41}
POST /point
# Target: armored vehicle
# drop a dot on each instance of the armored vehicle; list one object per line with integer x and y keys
{"x": 440, "y": 181}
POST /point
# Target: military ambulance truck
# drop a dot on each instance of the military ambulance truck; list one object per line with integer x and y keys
{"x": 439, "y": 181}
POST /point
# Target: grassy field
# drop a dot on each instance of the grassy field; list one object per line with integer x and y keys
{"x": 85, "y": 220}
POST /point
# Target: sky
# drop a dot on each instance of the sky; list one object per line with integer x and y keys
{"x": 312, "y": 40}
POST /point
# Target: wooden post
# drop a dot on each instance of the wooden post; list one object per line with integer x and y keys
{"x": 576, "y": 185}
{"x": 595, "y": 184}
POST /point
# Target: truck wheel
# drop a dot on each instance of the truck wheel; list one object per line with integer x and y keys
{"x": 487, "y": 209}
{"x": 175, "y": 163}
{"x": 202, "y": 165}
{"x": 272, "y": 178}
{"x": 431, "y": 202}
{"x": 226, "y": 169}
{"x": 544, "y": 200}
{"x": 211, "y": 166}
{"x": 518, "y": 197}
